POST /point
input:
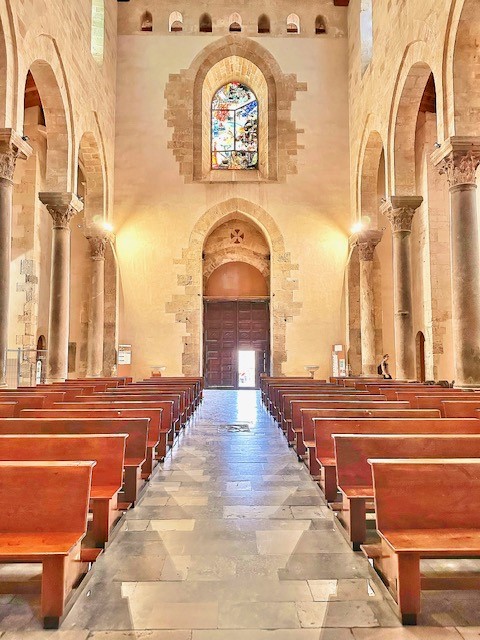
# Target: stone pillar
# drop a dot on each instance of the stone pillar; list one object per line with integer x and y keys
{"x": 366, "y": 242}
{"x": 400, "y": 210}
{"x": 62, "y": 207}
{"x": 12, "y": 147}
{"x": 96, "y": 314}
{"x": 459, "y": 158}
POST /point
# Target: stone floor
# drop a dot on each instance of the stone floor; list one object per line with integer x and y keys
{"x": 233, "y": 541}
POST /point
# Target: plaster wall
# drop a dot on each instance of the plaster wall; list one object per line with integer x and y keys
{"x": 156, "y": 210}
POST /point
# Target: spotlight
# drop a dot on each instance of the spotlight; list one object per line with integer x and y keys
{"x": 107, "y": 226}
{"x": 357, "y": 227}
{"x": 25, "y": 138}
{"x": 437, "y": 145}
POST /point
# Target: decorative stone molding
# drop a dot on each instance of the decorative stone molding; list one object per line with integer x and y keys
{"x": 185, "y": 112}
{"x": 61, "y": 206}
{"x": 12, "y": 147}
{"x": 458, "y": 158}
{"x": 98, "y": 245}
{"x": 187, "y": 305}
{"x": 399, "y": 210}
{"x": 366, "y": 242}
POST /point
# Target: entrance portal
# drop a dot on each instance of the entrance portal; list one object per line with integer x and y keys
{"x": 236, "y": 343}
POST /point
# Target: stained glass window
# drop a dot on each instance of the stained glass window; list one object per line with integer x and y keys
{"x": 234, "y": 128}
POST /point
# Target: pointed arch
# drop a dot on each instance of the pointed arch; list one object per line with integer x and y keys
{"x": 205, "y": 23}
{"x": 263, "y": 24}
{"x": 293, "y": 23}
{"x": 90, "y": 162}
{"x": 146, "y": 22}
{"x": 320, "y": 25}
{"x": 175, "y": 22}
{"x": 235, "y": 22}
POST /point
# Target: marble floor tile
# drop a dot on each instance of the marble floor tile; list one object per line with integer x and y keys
{"x": 232, "y": 540}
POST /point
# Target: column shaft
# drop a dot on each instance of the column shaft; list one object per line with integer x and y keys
{"x": 97, "y": 308}
{"x": 465, "y": 284}
{"x": 367, "y": 318}
{"x": 59, "y": 320}
{"x": 402, "y": 287}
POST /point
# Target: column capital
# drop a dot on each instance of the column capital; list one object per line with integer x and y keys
{"x": 98, "y": 244}
{"x": 458, "y": 158}
{"x": 399, "y": 211}
{"x": 12, "y": 147}
{"x": 62, "y": 206}
{"x": 366, "y": 241}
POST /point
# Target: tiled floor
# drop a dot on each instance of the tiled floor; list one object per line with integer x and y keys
{"x": 233, "y": 541}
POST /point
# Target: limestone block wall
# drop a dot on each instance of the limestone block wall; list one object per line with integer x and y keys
{"x": 163, "y": 213}
{"x": 412, "y": 40}
{"x": 52, "y": 39}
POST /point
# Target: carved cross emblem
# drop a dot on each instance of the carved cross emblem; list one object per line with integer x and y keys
{"x": 237, "y": 236}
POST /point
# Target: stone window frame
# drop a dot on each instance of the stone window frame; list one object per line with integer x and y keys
{"x": 185, "y": 113}
{"x": 294, "y": 19}
{"x": 174, "y": 17}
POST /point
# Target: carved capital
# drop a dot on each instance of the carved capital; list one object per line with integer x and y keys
{"x": 98, "y": 244}
{"x": 61, "y": 206}
{"x": 12, "y": 147}
{"x": 458, "y": 159}
{"x": 399, "y": 211}
{"x": 366, "y": 242}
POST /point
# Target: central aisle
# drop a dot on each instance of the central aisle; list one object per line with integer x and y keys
{"x": 231, "y": 534}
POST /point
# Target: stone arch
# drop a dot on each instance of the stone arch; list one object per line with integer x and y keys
{"x": 417, "y": 64}
{"x": 187, "y": 306}
{"x": 90, "y": 162}
{"x": 8, "y": 75}
{"x": 405, "y": 127}
{"x": 185, "y": 109}
{"x": 370, "y": 165}
{"x": 59, "y": 164}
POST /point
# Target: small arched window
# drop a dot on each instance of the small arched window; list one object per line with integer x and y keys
{"x": 234, "y": 128}
{"x": 235, "y": 23}
{"x": 320, "y": 25}
{"x": 263, "y": 24}
{"x": 98, "y": 30}
{"x": 146, "y": 23}
{"x": 205, "y": 24}
{"x": 293, "y": 23}
{"x": 366, "y": 33}
{"x": 175, "y": 22}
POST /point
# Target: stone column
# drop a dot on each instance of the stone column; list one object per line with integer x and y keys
{"x": 366, "y": 242}
{"x": 459, "y": 158}
{"x": 62, "y": 207}
{"x": 98, "y": 244}
{"x": 12, "y": 147}
{"x": 400, "y": 210}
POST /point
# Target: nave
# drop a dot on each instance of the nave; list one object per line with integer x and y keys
{"x": 233, "y": 540}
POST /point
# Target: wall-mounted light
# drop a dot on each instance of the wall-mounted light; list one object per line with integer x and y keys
{"x": 357, "y": 227}
{"x": 107, "y": 226}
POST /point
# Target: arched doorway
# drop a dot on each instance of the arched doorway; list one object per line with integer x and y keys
{"x": 236, "y": 285}
{"x": 420, "y": 356}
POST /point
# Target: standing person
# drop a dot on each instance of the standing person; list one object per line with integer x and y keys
{"x": 383, "y": 368}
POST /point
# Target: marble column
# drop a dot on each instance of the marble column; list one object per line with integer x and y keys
{"x": 366, "y": 242}
{"x": 458, "y": 158}
{"x": 12, "y": 147}
{"x": 62, "y": 207}
{"x": 399, "y": 210}
{"x": 96, "y": 315}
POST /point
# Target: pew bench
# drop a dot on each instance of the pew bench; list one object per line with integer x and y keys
{"x": 422, "y": 513}
{"x": 108, "y": 452}
{"x": 47, "y": 531}
{"x": 354, "y": 474}
{"x": 324, "y": 428}
{"x": 135, "y": 449}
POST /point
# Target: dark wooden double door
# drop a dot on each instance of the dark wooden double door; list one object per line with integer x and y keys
{"x": 229, "y": 327}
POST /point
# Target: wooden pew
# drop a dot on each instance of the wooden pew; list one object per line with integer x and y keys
{"x": 326, "y": 427}
{"x": 170, "y": 413}
{"x": 135, "y": 450}
{"x": 436, "y": 401}
{"x": 108, "y": 451}
{"x": 460, "y": 408}
{"x": 47, "y": 530}
{"x": 354, "y": 473}
{"x": 425, "y": 509}
{"x": 198, "y": 382}
{"x": 339, "y": 398}
{"x": 306, "y": 383}
{"x": 8, "y": 409}
{"x": 154, "y": 428}
{"x": 304, "y": 411}
{"x": 144, "y": 397}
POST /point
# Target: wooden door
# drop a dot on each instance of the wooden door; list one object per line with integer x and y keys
{"x": 228, "y": 327}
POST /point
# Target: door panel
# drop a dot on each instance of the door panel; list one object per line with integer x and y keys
{"x": 228, "y": 327}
